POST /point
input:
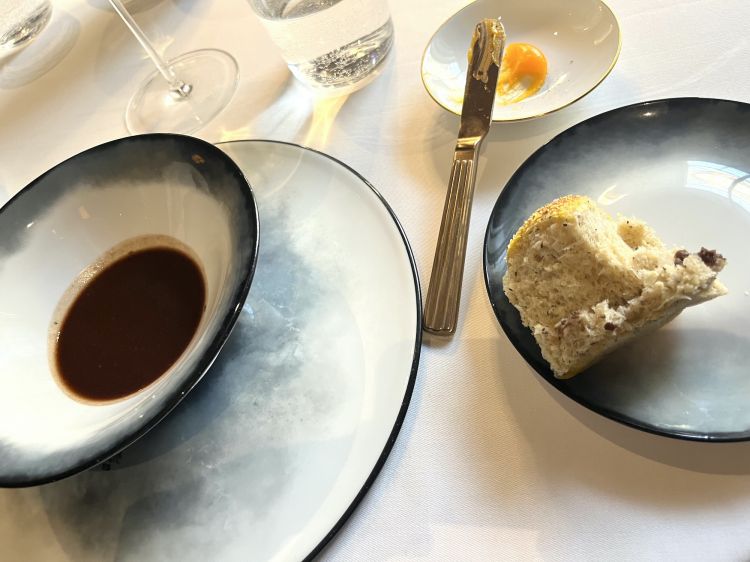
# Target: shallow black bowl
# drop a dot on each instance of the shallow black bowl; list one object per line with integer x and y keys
{"x": 683, "y": 166}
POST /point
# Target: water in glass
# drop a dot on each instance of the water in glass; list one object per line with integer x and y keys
{"x": 21, "y": 21}
{"x": 330, "y": 44}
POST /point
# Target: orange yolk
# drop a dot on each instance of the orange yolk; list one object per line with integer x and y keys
{"x": 522, "y": 73}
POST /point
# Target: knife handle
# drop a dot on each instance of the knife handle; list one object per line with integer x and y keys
{"x": 444, "y": 293}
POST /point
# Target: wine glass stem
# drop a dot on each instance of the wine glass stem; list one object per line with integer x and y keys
{"x": 176, "y": 86}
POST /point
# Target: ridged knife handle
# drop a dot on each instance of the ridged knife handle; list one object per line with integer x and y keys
{"x": 444, "y": 293}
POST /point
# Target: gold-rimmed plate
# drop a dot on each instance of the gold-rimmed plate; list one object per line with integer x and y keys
{"x": 579, "y": 38}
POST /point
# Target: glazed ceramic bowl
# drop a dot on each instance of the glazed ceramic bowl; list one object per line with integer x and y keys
{"x": 59, "y": 225}
{"x": 682, "y": 166}
{"x": 579, "y": 38}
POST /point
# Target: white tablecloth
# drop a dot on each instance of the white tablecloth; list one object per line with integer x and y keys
{"x": 491, "y": 462}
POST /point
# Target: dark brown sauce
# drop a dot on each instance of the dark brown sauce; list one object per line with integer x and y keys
{"x": 130, "y": 323}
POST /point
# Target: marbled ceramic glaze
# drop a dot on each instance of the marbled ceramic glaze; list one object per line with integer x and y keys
{"x": 269, "y": 454}
{"x": 58, "y": 226}
{"x": 579, "y": 38}
{"x": 683, "y": 166}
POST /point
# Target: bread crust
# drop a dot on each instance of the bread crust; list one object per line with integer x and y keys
{"x": 585, "y": 283}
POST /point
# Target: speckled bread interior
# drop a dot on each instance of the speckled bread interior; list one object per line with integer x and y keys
{"x": 585, "y": 283}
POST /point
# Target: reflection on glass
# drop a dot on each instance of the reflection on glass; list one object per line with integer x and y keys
{"x": 43, "y": 54}
{"x": 21, "y": 21}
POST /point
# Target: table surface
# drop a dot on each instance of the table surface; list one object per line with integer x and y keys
{"x": 490, "y": 462}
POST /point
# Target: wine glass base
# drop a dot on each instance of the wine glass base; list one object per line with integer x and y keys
{"x": 212, "y": 76}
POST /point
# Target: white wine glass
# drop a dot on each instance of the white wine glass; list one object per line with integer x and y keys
{"x": 182, "y": 94}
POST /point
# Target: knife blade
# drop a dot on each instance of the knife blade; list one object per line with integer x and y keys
{"x": 444, "y": 293}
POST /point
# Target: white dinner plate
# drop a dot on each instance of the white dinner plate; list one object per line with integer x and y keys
{"x": 579, "y": 38}
{"x": 682, "y": 166}
{"x": 266, "y": 458}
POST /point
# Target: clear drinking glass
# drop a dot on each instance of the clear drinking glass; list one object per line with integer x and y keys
{"x": 182, "y": 94}
{"x": 21, "y": 21}
{"x": 335, "y": 45}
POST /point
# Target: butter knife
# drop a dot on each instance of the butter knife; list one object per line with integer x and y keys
{"x": 444, "y": 293}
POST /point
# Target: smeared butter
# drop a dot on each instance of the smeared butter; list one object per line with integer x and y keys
{"x": 493, "y": 51}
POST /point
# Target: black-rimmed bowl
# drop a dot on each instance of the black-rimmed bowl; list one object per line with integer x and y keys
{"x": 157, "y": 184}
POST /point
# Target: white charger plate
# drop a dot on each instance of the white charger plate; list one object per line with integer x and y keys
{"x": 579, "y": 38}
{"x": 268, "y": 456}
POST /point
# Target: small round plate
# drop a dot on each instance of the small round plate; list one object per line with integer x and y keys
{"x": 682, "y": 166}
{"x": 579, "y": 38}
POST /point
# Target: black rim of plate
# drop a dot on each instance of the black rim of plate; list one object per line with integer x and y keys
{"x": 541, "y": 366}
{"x": 390, "y": 442}
{"x": 214, "y": 347}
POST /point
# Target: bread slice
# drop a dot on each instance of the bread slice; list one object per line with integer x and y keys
{"x": 585, "y": 284}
